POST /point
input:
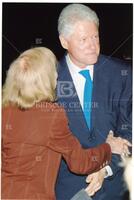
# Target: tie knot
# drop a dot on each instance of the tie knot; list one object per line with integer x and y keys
{"x": 86, "y": 74}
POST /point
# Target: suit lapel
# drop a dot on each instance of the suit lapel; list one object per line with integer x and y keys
{"x": 97, "y": 92}
{"x": 73, "y": 106}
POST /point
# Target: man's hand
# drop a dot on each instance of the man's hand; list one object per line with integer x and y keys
{"x": 96, "y": 180}
{"x": 118, "y": 145}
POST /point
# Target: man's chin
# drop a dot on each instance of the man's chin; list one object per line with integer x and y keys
{"x": 93, "y": 60}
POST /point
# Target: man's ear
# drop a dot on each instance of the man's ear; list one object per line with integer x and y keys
{"x": 63, "y": 41}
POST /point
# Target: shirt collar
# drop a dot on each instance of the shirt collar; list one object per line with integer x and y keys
{"x": 74, "y": 68}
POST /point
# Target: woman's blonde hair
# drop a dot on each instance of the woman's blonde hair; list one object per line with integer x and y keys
{"x": 31, "y": 78}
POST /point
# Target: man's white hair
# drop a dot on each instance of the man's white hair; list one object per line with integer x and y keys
{"x": 73, "y": 13}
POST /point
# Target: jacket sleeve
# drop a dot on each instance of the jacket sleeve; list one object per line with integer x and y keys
{"x": 79, "y": 160}
{"x": 124, "y": 122}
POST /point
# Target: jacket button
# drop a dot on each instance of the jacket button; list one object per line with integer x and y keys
{"x": 90, "y": 138}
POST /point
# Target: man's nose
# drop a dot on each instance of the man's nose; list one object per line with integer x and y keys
{"x": 91, "y": 44}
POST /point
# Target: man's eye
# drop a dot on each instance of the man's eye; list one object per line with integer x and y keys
{"x": 96, "y": 36}
{"x": 83, "y": 40}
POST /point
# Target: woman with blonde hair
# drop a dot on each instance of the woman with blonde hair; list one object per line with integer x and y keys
{"x": 35, "y": 133}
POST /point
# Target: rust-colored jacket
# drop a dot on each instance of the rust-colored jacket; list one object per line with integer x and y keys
{"x": 33, "y": 143}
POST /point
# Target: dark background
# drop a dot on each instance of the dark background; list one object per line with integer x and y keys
{"x": 26, "y": 25}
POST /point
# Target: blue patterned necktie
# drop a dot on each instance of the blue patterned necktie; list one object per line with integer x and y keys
{"x": 87, "y": 96}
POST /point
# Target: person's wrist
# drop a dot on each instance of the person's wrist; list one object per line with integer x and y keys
{"x": 104, "y": 172}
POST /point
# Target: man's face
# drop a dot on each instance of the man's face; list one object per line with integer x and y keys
{"x": 83, "y": 44}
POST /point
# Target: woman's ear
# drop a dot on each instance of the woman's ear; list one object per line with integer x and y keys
{"x": 63, "y": 41}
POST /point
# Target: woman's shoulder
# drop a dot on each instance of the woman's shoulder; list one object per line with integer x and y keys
{"x": 41, "y": 106}
{"x": 8, "y": 108}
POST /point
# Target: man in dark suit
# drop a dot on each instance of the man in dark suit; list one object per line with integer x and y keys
{"x": 107, "y": 105}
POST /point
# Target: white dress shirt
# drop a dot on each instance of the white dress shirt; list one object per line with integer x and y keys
{"x": 79, "y": 83}
{"x": 78, "y": 79}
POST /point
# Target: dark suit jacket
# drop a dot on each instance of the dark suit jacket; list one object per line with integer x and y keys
{"x": 33, "y": 142}
{"x": 111, "y": 110}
